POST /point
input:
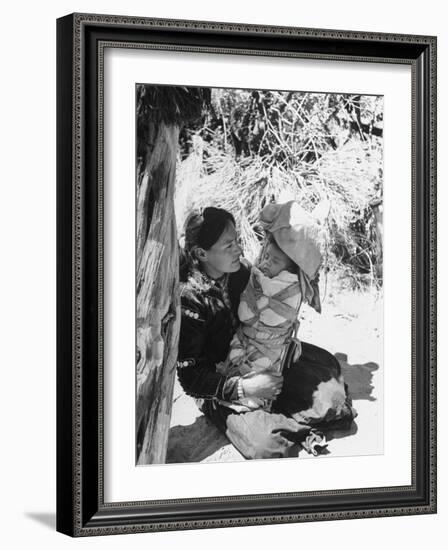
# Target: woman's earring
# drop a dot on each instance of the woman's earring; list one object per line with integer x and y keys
{"x": 200, "y": 254}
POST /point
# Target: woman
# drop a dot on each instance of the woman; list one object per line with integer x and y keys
{"x": 212, "y": 279}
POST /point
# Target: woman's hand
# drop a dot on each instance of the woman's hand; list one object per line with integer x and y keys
{"x": 266, "y": 385}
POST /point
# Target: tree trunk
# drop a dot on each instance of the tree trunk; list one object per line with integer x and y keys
{"x": 158, "y": 310}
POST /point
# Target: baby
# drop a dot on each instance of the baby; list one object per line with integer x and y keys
{"x": 270, "y": 303}
{"x": 268, "y": 309}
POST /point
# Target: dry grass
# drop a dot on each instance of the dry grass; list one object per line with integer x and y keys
{"x": 347, "y": 178}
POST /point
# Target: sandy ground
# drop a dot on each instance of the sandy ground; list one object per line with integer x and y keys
{"x": 350, "y": 327}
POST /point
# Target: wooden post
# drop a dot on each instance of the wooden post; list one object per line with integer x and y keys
{"x": 158, "y": 310}
{"x": 161, "y": 110}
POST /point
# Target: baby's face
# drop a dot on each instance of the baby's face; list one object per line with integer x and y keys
{"x": 273, "y": 261}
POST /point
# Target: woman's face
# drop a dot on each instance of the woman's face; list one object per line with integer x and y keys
{"x": 223, "y": 256}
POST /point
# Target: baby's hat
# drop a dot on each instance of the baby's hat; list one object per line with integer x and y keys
{"x": 296, "y": 232}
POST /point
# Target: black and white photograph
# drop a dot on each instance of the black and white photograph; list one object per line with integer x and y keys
{"x": 259, "y": 274}
{"x": 222, "y": 238}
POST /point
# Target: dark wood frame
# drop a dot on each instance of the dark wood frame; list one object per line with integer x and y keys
{"x": 81, "y": 510}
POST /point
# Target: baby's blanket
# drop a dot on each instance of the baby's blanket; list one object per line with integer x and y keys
{"x": 268, "y": 308}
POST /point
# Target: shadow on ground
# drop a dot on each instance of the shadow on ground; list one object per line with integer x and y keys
{"x": 194, "y": 443}
{"x": 358, "y": 378}
{"x": 48, "y": 519}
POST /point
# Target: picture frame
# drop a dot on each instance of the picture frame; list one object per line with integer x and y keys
{"x": 81, "y": 506}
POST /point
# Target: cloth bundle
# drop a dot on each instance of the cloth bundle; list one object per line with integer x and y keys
{"x": 269, "y": 307}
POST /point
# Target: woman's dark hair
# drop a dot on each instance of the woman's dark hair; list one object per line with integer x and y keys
{"x": 201, "y": 230}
